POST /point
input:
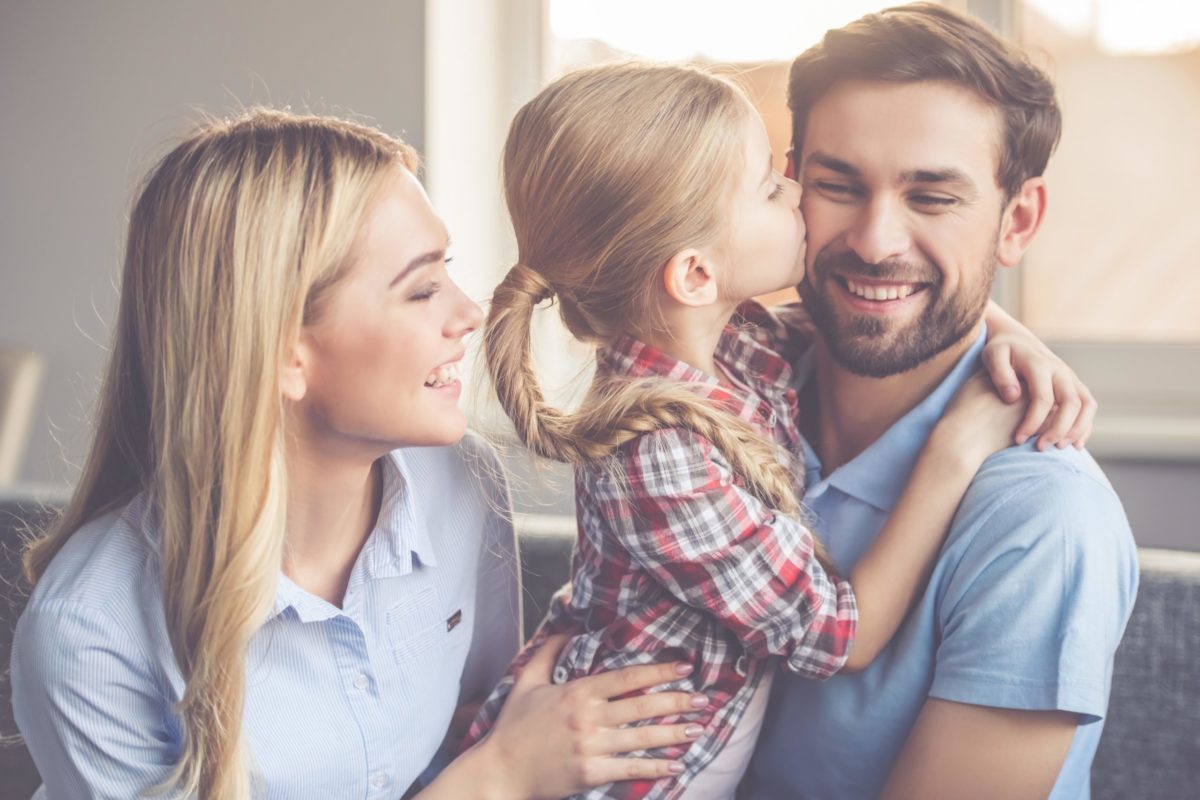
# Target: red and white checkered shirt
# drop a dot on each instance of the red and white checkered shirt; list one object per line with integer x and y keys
{"x": 675, "y": 560}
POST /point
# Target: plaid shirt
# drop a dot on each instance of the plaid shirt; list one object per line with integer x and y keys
{"x": 675, "y": 560}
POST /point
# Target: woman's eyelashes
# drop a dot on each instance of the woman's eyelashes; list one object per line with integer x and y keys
{"x": 430, "y": 287}
{"x": 425, "y": 292}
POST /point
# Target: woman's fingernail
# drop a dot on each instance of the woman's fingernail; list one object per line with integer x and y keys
{"x": 693, "y": 731}
{"x": 682, "y": 669}
{"x": 675, "y": 767}
{"x": 699, "y": 700}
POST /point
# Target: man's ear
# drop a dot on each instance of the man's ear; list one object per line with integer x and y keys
{"x": 1022, "y": 218}
{"x": 293, "y": 383}
{"x": 790, "y": 170}
{"x": 690, "y": 279}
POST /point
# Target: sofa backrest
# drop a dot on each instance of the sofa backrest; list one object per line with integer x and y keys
{"x": 17, "y": 518}
{"x": 1151, "y": 743}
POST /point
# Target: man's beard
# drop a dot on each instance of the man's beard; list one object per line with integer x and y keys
{"x": 875, "y": 347}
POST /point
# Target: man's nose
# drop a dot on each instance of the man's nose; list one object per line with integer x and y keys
{"x": 879, "y": 231}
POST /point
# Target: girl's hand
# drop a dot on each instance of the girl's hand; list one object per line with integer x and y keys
{"x": 976, "y": 424}
{"x": 1060, "y": 405}
{"x": 556, "y": 740}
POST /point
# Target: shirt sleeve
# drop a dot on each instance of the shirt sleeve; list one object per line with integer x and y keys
{"x": 87, "y": 706}
{"x": 1036, "y": 607}
{"x": 713, "y": 545}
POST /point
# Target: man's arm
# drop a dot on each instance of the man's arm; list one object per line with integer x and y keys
{"x": 1029, "y": 624}
{"x": 957, "y": 750}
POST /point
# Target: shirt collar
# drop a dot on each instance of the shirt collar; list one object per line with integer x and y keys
{"x": 878, "y": 475}
{"x": 398, "y": 543}
{"x": 764, "y": 372}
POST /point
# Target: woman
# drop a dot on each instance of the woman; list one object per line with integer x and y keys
{"x": 266, "y": 581}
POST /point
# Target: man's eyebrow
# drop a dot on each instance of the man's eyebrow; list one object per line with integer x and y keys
{"x": 950, "y": 175}
{"x": 432, "y": 257}
{"x": 829, "y": 162}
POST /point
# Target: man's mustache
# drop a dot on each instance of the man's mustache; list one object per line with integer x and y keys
{"x": 893, "y": 270}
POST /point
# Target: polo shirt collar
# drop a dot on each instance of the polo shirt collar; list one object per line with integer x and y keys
{"x": 877, "y": 476}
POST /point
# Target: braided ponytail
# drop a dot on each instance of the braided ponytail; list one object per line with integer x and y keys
{"x": 508, "y": 344}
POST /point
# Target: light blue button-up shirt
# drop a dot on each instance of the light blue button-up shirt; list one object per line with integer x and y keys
{"x": 1024, "y": 610}
{"x": 348, "y": 702}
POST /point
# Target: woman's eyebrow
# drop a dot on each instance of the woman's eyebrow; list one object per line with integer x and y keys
{"x": 432, "y": 257}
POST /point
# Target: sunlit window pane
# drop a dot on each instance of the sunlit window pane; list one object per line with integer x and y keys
{"x": 1118, "y": 257}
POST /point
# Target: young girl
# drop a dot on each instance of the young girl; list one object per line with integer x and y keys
{"x": 276, "y": 577}
{"x": 645, "y": 206}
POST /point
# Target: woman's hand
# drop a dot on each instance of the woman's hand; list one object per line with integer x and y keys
{"x": 1060, "y": 405}
{"x": 555, "y": 740}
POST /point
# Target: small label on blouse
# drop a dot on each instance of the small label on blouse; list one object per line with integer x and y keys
{"x": 453, "y": 620}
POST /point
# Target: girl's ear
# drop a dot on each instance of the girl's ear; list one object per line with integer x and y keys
{"x": 293, "y": 383}
{"x": 690, "y": 279}
{"x": 1021, "y": 221}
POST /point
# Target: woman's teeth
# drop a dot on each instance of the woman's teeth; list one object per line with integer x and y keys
{"x": 896, "y": 291}
{"x": 447, "y": 373}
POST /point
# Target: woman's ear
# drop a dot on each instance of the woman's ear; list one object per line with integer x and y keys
{"x": 1021, "y": 221}
{"x": 690, "y": 279}
{"x": 293, "y": 383}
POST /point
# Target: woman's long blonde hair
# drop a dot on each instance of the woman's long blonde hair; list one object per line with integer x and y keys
{"x": 608, "y": 173}
{"x": 233, "y": 239}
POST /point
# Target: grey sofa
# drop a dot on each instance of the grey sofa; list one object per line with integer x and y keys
{"x": 1151, "y": 744}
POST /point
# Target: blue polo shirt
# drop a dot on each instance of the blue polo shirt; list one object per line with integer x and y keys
{"x": 1024, "y": 610}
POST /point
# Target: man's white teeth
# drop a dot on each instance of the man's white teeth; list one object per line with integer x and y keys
{"x": 868, "y": 292}
{"x": 447, "y": 373}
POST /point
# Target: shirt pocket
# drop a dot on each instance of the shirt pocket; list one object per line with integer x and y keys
{"x": 420, "y": 625}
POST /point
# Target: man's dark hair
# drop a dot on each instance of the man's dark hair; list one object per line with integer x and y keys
{"x": 927, "y": 42}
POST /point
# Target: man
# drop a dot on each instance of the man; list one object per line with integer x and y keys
{"x": 920, "y": 139}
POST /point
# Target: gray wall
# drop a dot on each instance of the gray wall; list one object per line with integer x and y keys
{"x": 90, "y": 94}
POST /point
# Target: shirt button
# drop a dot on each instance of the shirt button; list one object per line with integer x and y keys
{"x": 560, "y": 674}
{"x": 379, "y": 780}
{"x": 361, "y": 682}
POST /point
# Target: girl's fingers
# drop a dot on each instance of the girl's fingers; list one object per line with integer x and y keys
{"x": 1041, "y": 400}
{"x": 1066, "y": 397}
{"x": 1082, "y": 428}
{"x": 998, "y": 362}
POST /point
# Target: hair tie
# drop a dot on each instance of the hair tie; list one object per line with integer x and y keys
{"x": 530, "y": 282}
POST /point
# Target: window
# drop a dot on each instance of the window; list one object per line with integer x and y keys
{"x": 1111, "y": 281}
